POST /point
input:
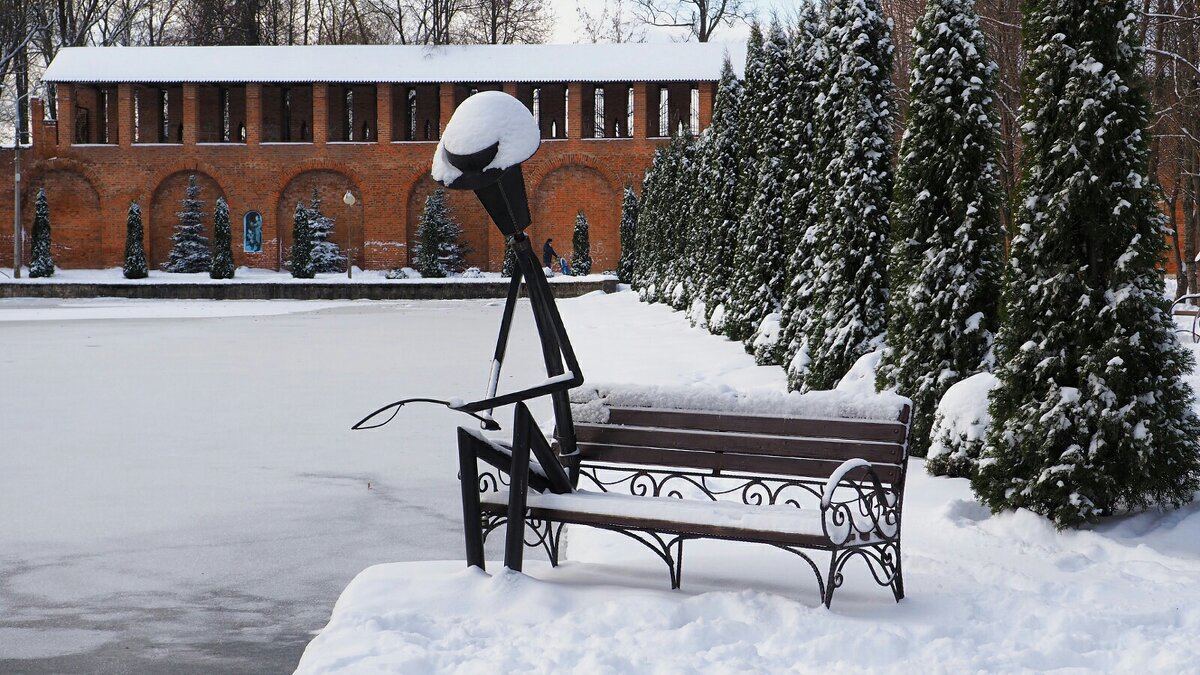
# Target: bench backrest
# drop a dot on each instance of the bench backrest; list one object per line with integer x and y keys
{"x": 753, "y": 444}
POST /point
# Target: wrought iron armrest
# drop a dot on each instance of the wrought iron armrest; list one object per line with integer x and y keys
{"x": 870, "y": 514}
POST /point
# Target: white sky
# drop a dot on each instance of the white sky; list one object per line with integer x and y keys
{"x": 567, "y": 22}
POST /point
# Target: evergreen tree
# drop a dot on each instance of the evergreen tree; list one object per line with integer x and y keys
{"x": 652, "y": 224}
{"x": 721, "y": 164}
{"x": 189, "y": 246}
{"x": 581, "y": 247}
{"x": 1090, "y": 415}
{"x": 847, "y": 315}
{"x": 684, "y": 230}
{"x": 135, "y": 249}
{"x": 759, "y": 260}
{"x": 222, "y": 258}
{"x": 947, "y": 239}
{"x": 438, "y": 252}
{"x": 627, "y": 230}
{"x": 301, "y": 258}
{"x": 42, "y": 264}
{"x": 509, "y": 266}
{"x": 326, "y": 256}
{"x": 804, "y": 174}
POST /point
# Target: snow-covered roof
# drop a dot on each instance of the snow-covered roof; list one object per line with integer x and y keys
{"x": 681, "y": 62}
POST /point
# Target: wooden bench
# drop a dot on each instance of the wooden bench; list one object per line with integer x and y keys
{"x": 664, "y": 476}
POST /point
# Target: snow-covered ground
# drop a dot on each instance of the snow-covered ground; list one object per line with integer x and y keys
{"x": 181, "y": 493}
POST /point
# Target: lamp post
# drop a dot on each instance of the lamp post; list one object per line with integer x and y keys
{"x": 349, "y": 200}
{"x": 17, "y": 189}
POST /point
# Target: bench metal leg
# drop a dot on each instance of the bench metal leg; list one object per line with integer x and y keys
{"x": 836, "y": 559}
{"x": 468, "y": 473}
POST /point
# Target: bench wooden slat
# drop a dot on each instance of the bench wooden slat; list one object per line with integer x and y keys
{"x": 751, "y": 444}
{"x": 859, "y": 430}
{"x": 728, "y": 461}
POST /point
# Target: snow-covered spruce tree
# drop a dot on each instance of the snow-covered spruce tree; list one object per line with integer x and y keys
{"x": 947, "y": 239}
{"x": 222, "y": 256}
{"x": 581, "y": 247}
{"x": 645, "y": 234}
{"x": 438, "y": 252}
{"x": 759, "y": 259}
{"x": 135, "y": 249}
{"x": 627, "y": 230}
{"x": 680, "y": 268}
{"x": 720, "y": 166}
{"x": 1090, "y": 415}
{"x": 849, "y": 295}
{"x": 750, "y": 118}
{"x": 300, "y": 262}
{"x": 189, "y": 246}
{"x": 807, "y": 58}
{"x": 326, "y": 256}
{"x": 42, "y": 264}
{"x": 655, "y": 224}
{"x": 509, "y": 266}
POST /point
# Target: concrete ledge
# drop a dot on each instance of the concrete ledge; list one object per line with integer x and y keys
{"x": 399, "y": 290}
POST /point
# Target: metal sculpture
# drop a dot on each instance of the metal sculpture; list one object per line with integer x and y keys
{"x": 500, "y": 187}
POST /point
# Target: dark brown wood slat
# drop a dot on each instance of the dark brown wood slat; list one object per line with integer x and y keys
{"x": 728, "y": 461}
{"x": 783, "y": 446}
{"x": 859, "y": 430}
{"x": 667, "y": 526}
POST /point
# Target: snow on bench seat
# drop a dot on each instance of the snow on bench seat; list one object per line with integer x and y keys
{"x": 671, "y": 514}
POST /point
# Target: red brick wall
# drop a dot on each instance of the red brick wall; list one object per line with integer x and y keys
{"x": 90, "y": 188}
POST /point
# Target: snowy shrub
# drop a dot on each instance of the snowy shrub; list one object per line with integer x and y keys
{"x": 222, "y": 258}
{"x": 1090, "y": 415}
{"x": 135, "y": 249}
{"x": 189, "y": 247}
{"x": 960, "y": 424}
{"x": 472, "y": 273}
{"x": 947, "y": 239}
{"x": 581, "y": 247}
{"x": 42, "y": 264}
{"x": 403, "y": 273}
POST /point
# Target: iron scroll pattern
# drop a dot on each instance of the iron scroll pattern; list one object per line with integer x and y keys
{"x": 862, "y": 520}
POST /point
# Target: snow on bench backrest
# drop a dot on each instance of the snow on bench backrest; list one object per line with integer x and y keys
{"x": 591, "y": 403}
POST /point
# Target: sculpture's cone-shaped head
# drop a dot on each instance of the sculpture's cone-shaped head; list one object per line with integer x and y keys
{"x": 488, "y": 134}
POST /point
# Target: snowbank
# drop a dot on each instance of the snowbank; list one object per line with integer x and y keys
{"x": 590, "y": 402}
{"x": 985, "y": 594}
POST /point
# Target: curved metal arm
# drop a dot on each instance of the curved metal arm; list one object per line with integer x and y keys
{"x": 487, "y": 422}
{"x": 877, "y": 515}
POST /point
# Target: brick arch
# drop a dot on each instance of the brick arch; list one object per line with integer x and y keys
{"x": 74, "y": 204}
{"x": 331, "y": 185}
{"x": 296, "y": 170}
{"x": 539, "y": 173}
{"x": 160, "y": 218}
{"x": 478, "y": 233}
{"x": 563, "y": 192}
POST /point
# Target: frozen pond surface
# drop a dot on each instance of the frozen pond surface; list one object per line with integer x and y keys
{"x": 181, "y": 491}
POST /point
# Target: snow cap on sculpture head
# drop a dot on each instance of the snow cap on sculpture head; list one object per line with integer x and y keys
{"x": 488, "y": 133}
{"x": 483, "y": 146}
